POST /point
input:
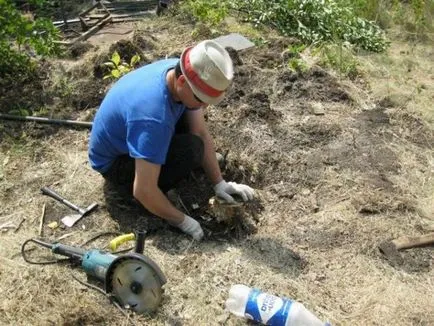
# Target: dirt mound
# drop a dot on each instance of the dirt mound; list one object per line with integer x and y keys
{"x": 258, "y": 106}
{"x": 24, "y": 92}
{"x": 78, "y": 49}
{"x": 316, "y": 84}
{"x": 126, "y": 49}
{"x": 144, "y": 41}
{"x": 234, "y": 56}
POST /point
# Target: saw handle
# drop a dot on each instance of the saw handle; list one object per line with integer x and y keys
{"x": 116, "y": 242}
{"x": 51, "y": 193}
{"x": 411, "y": 242}
{"x": 68, "y": 251}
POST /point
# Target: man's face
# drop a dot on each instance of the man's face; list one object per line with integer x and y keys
{"x": 187, "y": 96}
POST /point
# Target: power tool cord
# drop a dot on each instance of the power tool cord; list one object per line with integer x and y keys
{"x": 44, "y": 244}
{"x": 108, "y": 296}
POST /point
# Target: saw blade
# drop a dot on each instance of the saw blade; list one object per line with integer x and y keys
{"x": 136, "y": 285}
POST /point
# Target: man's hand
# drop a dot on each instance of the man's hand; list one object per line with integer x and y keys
{"x": 225, "y": 189}
{"x": 191, "y": 227}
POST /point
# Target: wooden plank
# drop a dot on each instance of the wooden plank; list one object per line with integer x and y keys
{"x": 88, "y": 33}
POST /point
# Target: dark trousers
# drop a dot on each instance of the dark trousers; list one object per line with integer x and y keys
{"x": 184, "y": 155}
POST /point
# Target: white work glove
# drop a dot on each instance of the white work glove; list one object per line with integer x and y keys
{"x": 225, "y": 189}
{"x": 191, "y": 227}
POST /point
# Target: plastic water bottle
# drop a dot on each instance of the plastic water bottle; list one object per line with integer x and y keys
{"x": 268, "y": 309}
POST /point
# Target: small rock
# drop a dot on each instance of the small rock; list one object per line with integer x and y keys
{"x": 305, "y": 192}
{"x": 222, "y": 319}
{"x": 317, "y": 108}
{"x": 53, "y": 225}
{"x": 6, "y": 161}
{"x": 206, "y": 218}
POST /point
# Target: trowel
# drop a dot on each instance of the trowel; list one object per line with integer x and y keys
{"x": 234, "y": 40}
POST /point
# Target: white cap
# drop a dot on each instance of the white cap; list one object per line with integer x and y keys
{"x": 208, "y": 69}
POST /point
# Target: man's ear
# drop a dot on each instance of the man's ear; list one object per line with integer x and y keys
{"x": 181, "y": 80}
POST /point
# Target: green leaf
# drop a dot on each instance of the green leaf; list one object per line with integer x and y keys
{"x": 123, "y": 69}
{"x": 116, "y": 73}
{"x": 134, "y": 60}
{"x": 109, "y": 64}
{"x": 116, "y": 58}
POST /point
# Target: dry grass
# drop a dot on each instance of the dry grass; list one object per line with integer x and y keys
{"x": 404, "y": 76}
{"x": 333, "y": 187}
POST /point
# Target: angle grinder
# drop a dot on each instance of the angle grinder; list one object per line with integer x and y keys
{"x": 133, "y": 280}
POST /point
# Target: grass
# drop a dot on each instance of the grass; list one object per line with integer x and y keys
{"x": 403, "y": 73}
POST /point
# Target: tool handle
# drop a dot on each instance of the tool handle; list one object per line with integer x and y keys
{"x": 68, "y": 251}
{"x": 116, "y": 242}
{"x": 47, "y": 120}
{"x": 410, "y": 242}
{"x": 140, "y": 241}
{"x": 47, "y": 191}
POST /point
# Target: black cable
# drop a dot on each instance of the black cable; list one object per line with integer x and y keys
{"x": 108, "y": 296}
{"x": 123, "y": 250}
{"x": 44, "y": 244}
{"x": 99, "y": 235}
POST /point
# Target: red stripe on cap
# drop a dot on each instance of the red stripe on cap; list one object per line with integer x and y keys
{"x": 194, "y": 78}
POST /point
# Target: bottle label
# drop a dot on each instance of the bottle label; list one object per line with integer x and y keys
{"x": 267, "y": 309}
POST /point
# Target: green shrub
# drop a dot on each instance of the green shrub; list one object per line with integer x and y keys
{"x": 211, "y": 12}
{"x": 315, "y": 21}
{"x": 22, "y": 38}
{"x": 378, "y": 11}
{"x": 421, "y": 16}
{"x": 414, "y": 16}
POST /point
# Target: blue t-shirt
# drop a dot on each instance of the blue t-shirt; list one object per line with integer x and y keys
{"x": 137, "y": 117}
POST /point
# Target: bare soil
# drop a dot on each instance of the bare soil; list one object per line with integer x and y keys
{"x": 330, "y": 189}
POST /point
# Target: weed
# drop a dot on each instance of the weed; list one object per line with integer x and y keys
{"x": 62, "y": 86}
{"x": 20, "y": 112}
{"x": 296, "y": 63}
{"x": 339, "y": 57}
{"x": 260, "y": 41}
{"x": 118, "y": 68}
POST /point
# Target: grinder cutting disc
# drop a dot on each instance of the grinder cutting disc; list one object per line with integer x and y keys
{"x": 136, "y": 282}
